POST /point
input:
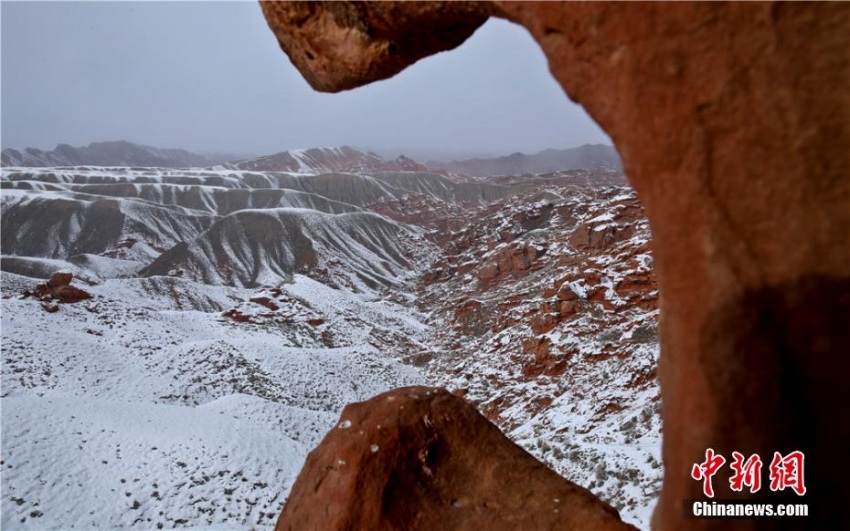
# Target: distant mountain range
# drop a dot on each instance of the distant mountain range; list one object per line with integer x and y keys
{"x": 313, "y": 161}
{"x": 118, "y": 153}
{"x": 327, "y": 160}
{"x": 588, "y": 156}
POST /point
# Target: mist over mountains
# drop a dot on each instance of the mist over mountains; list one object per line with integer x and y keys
{"x": 314, "y": 160}
{"x": 116, "y": 153}
{"x": 588, "y": 156}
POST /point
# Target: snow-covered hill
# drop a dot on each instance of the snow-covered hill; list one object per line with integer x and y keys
{"x": 118, "y": 153}
{"x": 149, "y": 407}
{"x": 260, "y": 246}
{"x": 328, "y": 160}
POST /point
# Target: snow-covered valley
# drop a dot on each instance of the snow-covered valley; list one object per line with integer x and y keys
{"x": 135, "y": 409}
{"x": 235, "y": 313}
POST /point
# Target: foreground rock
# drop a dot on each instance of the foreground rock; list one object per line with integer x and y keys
{"x": 422, "y": 458}
{"x": 732, "y": 123}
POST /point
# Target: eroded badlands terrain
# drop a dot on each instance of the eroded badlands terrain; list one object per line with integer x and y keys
{"x": 234, "y": 311}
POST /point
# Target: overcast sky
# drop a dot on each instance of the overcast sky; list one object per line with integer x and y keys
{"x": 210, "y": 76}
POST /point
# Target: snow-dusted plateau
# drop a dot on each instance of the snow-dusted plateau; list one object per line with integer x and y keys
{"x": 235, "y": 310}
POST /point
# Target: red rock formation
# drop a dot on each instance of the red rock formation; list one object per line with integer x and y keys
{"x": 403, "y": 460}
{"x": 57, "y": 289}
{"x": 265, "y": 301}
{"x": 733, "y": 124}
{"x": 515, "y": 260}
{"x": 59, "y": 279}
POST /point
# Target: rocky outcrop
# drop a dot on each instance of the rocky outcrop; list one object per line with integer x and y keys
{"x": 343, "y": 45}
{"x": 732, "y": 121}
{"x": 403, "y": 460}
{"x": 57, "y": 289}
{"x": 514, "y": 260}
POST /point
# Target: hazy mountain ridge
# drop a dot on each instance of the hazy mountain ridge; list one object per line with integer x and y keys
{"x": 115, "y": 153}
{"x": 313, "y": 161}
{"x": 588, "y": 156}
{"x": 327, "y": 160}
{"x": 207, "y": 189}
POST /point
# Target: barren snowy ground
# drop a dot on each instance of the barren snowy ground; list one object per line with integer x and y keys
{"x": 125, "y": 411}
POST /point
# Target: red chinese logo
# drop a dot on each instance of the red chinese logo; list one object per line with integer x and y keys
{"x": 746, "y": 472}
{"x": 705, "y": 471}
{"x": 787, "y": 472}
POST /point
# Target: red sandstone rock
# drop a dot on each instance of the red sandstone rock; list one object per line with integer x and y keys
{"x": 566, "y": 293}
{"x": 237, "y": 316}
{"x": 57, "y": 289}
{"x": 265, "y": 301}
{"x": 59, "y": 279}
{"x": 600, "y": 236}
{"x": 472, "y": 317}
{"x": 69, "y": 294}
{"x": 342, "y": 45}
{"x": 403, "y": 460}
{"x": 516, "y": 259}
{"x": 733, "y": 123}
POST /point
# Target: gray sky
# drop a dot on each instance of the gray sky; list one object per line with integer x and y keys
{"x": 209, "y": 76}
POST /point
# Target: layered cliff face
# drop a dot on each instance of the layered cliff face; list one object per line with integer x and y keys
{"x": 723, "y": 114}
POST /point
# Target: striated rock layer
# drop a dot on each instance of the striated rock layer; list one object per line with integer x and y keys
{"x": 733, "y": 123}
{"x": 403, "y": 460}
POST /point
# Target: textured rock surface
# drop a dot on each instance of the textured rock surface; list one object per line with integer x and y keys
{"x": 342, "y": 45}
{"x": 733, "y": 124}
{"x": 403, "y": 460}
{"x": 58, "y": 288}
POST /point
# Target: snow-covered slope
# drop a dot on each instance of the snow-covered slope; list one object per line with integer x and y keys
{"x": 135, "y": 410}
{"x": 360, "y": 189}
{"x": 257, "y": 247}
{"x": 58, "y": 224}
{"x": 315, "y": 160}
